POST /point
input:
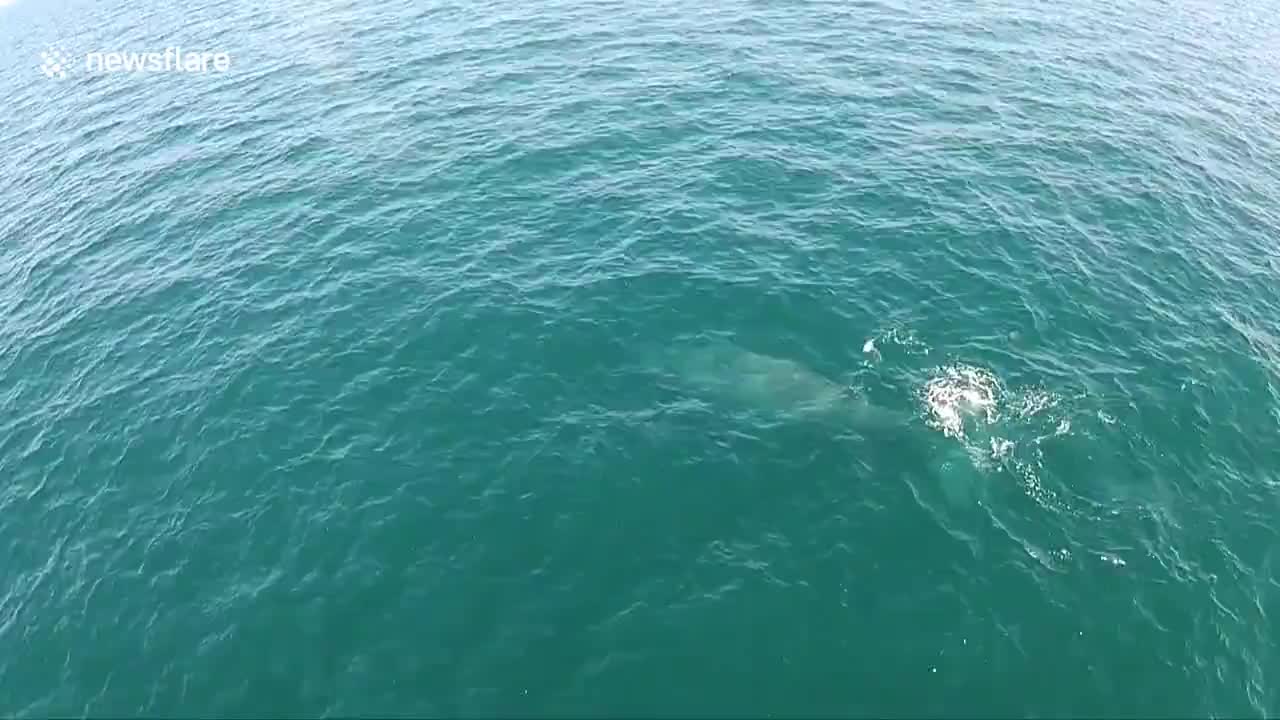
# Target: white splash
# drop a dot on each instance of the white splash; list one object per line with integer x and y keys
{"x": 1001, "y": 448}
{"x": 906, "y": 340}
{"x": 960, "y": 393}
{"x": 1035, "y": 401}
{"x": 871, "y": 351}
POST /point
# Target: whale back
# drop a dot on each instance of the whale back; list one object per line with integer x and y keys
{"x": 774, "y": 384}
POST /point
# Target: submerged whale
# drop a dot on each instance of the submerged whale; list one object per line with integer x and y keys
{"x": 723, "y": 371}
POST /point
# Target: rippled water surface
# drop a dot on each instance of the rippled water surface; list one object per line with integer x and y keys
{"x": 623, "y": 358}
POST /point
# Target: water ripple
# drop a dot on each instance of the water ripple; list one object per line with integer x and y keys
{"x": 325, "y": 388}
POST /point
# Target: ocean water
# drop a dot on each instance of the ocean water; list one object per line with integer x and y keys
{"x": 585, "y": 358}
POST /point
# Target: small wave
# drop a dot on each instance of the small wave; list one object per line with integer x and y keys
{"x": 896, "y": 341}
{"x": 1034, "y": 401}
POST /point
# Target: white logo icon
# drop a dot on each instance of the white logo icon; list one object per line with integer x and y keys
{"x": 55, "y": 63}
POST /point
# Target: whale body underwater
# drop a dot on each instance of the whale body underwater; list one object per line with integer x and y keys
{"x": 725, "y": 372}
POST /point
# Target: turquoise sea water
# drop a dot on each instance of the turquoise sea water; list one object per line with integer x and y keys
{"x": 631, "y": 359}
